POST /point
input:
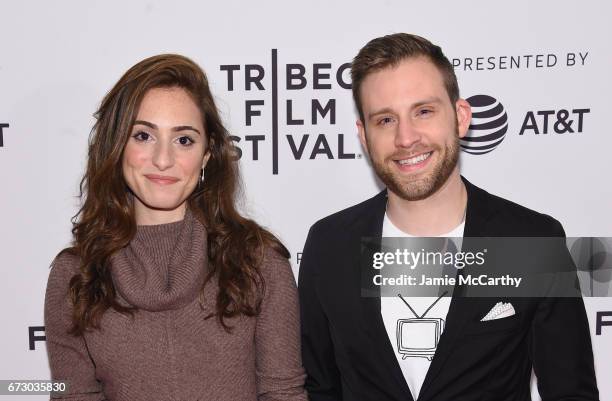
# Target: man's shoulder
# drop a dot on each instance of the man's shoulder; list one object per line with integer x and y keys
{"x": 516, "y": 219}
{"x": 346, "y": 219}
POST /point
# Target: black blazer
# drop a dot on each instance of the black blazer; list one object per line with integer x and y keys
{"x": 348, "y": 356}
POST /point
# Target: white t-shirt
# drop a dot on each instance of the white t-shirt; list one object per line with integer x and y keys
{"x": 394, "y": 313}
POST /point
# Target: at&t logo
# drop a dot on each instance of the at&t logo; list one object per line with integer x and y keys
{"x": 488, "y": 127}
{"x": 490, "y": 122}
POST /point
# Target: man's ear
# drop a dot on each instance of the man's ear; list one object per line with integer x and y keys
{"x": 362, "y": 135}
{"x": 464, "y": 116}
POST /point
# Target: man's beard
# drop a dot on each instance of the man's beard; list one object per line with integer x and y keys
{"x": 422, "y": 187}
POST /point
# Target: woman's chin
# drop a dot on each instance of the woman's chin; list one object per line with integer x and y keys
{"x": 162, "y": 205}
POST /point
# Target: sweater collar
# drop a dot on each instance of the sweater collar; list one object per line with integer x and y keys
{"x": 164, "y": 265}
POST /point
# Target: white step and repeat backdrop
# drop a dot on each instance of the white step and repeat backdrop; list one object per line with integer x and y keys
{"x": 548, "y": 63}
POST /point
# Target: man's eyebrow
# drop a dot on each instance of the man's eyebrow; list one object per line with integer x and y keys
{"x": 175, "y": 129}
{"x": 386, "y": 110}
{"x": 430, "y": 100}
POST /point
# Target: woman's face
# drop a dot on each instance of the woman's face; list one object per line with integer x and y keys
{"x": 164, "y": 155}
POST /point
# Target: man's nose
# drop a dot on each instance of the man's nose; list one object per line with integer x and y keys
{"x": 407, "y": 134}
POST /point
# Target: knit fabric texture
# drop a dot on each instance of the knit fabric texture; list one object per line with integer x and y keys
{"x": 167, "y": 350}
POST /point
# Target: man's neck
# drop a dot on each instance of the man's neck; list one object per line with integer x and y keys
{"x": 435, "y": 215}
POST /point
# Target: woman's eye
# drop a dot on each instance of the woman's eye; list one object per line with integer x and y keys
{"x": 141, "y": 136}
{"x": 185, "y": 141}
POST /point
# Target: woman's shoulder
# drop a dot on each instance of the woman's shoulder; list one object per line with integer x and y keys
{"x": 276, "y": 268}
{"x": 57, "y": 299}
{"x": 64, "y": 267}
{"x": 279, "y": 310}
{"x": 274, "y": 260}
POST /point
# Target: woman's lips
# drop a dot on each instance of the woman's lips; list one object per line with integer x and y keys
{"x": 162, "y": 179}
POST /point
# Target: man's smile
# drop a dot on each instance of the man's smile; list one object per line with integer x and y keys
{"x": 414, "y": 162}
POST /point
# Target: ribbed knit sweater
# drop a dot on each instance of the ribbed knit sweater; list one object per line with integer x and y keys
{"x": 168, "y": 351}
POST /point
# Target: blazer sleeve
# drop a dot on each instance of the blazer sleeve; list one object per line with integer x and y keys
{"x": 280, "y": 375}
{"x": 69, "y": 359}
{"x": 322, "y": 374}
{"x": 560, "y": 330}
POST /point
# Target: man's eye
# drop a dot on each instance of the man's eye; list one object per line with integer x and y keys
{"x": 424, "y": 112}
{"x": 385, "y": 120}
{"x": 141, "y": 136}
{"x": 185, "y": 141}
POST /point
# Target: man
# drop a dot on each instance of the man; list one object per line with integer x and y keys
{"x": 410, "y": 122}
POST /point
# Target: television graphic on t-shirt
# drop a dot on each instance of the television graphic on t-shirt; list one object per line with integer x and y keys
{"x": 419, "y": 337}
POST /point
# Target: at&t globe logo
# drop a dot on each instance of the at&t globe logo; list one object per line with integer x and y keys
{"x": 488, "y": 127}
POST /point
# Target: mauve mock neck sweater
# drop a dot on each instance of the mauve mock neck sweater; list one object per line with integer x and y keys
{"x": 167, "y": 351}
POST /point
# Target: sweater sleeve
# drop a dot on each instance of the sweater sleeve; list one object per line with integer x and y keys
{"x": 69, "y": 359}
{"x": 280, "y": 375}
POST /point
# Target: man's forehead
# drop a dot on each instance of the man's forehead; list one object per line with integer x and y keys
{"x": 413, "y": 71}
{"x": 411, "y": 80}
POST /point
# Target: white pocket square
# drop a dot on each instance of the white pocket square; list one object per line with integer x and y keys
{"x": 499, "y": 311}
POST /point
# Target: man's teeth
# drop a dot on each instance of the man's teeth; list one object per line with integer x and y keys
{"x": 415, "y": 160}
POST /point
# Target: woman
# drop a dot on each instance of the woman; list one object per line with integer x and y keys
{"x": 167, "y": 292}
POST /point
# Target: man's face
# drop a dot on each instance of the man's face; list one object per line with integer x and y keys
{"x": 411, "y": 130}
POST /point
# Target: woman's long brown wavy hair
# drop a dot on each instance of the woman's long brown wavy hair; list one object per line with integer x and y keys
{"x": 105, "y": 222}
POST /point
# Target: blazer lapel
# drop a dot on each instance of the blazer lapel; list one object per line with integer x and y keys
{"x": 461, "y": 309}
{"x": 370, "y": 226}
